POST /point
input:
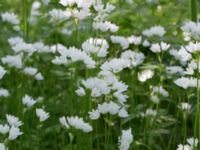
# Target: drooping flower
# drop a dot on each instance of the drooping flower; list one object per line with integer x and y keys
{"x": 78, "y": 123}
{"x": 94, "y": 114}
{"x": 28, "y": 101}
{"x": 125, "y": 139}
{"x": 4, "y": 129}
{"x": 43, "y": 115}
{"x": 63, "y": 121}
{"x": 154, "y": 31}
{"x": 13, "y": 121}
{"x": 2, "y": 72}
{"x": 14, "y": 133}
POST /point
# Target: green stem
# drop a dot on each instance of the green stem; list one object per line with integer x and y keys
{"x": 198, "y": 99}
{"x": 193, "y": 7}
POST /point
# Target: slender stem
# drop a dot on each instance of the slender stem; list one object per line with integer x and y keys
{"x": 193, "y": 7}
{"x": 198, "y": 99}
{"x": 24, "y": 18}
{"x": 185, "y": 128}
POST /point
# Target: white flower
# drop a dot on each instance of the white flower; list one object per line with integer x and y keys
{"x": 2, "y": 146}
{"x": 12, "y": 61}
{"x": 105, "y": 26}
{"x": 120, "y": 97}
{"x": 155, "y": 30}
{"x": 174, "y": 70}
{"x": 30, "y": 71}
{"x": 80, "y": 91}
{"x": 191, "y": 30}
{"x": 136, "y": 58}
{"x": 14, "y": 133}
{"x": 125, "y": 139}
{"x": 63, "y": 122}
{"x": 28, "y": 101}
{"x": 183, "y": 147}
{"x": 13, "y": 121}
{"x": 124, "y": 43}
{"x": 68, "y": 2}
{"x": 94, "y": 114}
{"x": 95, "y": 45}
{"x": 74, "y": 55}
{"x": 39, "y": 76}
{"x": 2, "y": 72}
{"x": 24, "y": 47}
{"x": 113, "y": 108}
{"x": 103, "y": 108}
{"x": 149, "y": 113}
{"x": 160, "y": 90}
{"x": 145, "y": 75}
{"x": 96, "y": 92}
{"x": 123, "y": 113}
{"x": 193, "y": 142}
{"x": 186, "y": 82}
{"x": 4, "y": 129}
{"x": 115, "y": 65}
{"x": 182, "y": 55}
{"x": 136, "y": 40}
{"x": 193, "y": 47}
{"x": 184, "y": 106}
{"x": 146, "y": 43}
{"x": 4, "y": 93}
{"x": 10, "y": 18}
{"x": 159, "y": 47}
{"x": 155, "y": 99}
{"x": 42, "y": 114}
{"x": 40, "y": 47}
{"x": 15, "y": 41}
{"x": 78, "y": 123}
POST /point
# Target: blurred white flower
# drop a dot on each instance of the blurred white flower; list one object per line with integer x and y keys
{"x": 13, "y": 121}
{"x": 94, "y": 114}
{"x": 159, "y": 47}
{"x": 4, "y": 92}
{"x": 30, "y": 71}
{"x": 12, "y": 61}
{"x": 183, "y": 147}
{"x": 125, "y": 139}
{"x": 136, "y": 58}
{"x": 186, "y": 82}
{"x": 145, "y": 75}
{"x": 28, "y": 101}
{"x": 63, "y": 122}
{"x": 80, "y": 91}
{"x": 105, "y": 26}
{"x": 96, "y": 46}
{"x": 2, "y": 72}
{"x": 14, "y": 133}
{"x": 39, "y": 76}
{"x": 124, "y": 43}
{"x": 193, "y": 142}
{"x": 42, "y": 114}
{"x": 155, "y": 30}
{"x": 78, "y": 123}
{"x": 3, "y": 147}
{"x": 184, "y": 106}
{"x": 123, "y": 113}
{"x": 10, "y": 18}
{"x": 4, "y": 129}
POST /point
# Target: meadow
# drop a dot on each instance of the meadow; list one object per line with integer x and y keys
{"x": 99, "y": 75}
